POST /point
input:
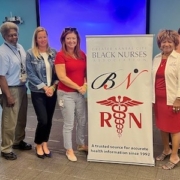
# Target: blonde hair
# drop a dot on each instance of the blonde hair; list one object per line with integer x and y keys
{"x": 168, "y": 34}
{"x": 77, "y": 50}
{"x": 35, "y": 50}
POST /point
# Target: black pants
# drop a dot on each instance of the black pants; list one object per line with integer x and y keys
{"x": 1, "y": 100}
{"x": 44, "y": 107}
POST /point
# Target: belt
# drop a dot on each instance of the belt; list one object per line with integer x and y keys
{"x": 17, "y": 86}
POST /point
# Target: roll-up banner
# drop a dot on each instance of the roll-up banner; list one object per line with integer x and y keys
{"x": 120, "y": 125}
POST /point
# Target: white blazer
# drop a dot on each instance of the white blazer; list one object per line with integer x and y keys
{"x": 172, "y": 76}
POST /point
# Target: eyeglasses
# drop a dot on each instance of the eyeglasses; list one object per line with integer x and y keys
{"x": 12, "y": 35}
{"x": 70, "y": 29}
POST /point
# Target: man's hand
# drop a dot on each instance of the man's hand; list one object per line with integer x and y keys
{"x": 10, "y": 101}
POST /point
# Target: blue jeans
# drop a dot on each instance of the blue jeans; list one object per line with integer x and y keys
{"x": 73, "y": 106}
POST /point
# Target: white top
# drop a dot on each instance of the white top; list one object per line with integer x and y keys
{"x": 0, "y": 91}
{"x": 48, "y": 68}
{"x": 172, "y": 76}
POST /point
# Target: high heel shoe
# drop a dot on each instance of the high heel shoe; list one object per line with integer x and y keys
{"x": 38, "y": 155}
{"x": 45, "y": 147}
{"x": 48, "y": 155}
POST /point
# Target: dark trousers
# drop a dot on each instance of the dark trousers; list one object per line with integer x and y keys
{"x": 44, "y": 108}
{"x": 1, "y": 100}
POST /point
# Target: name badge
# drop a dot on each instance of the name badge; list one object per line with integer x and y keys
{"x": 23, "y": 77}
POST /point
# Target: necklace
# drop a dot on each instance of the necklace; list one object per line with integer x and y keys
{"x": 163, "y": 62}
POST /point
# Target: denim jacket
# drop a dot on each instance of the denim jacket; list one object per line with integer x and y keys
{"x": 36, "y": 71}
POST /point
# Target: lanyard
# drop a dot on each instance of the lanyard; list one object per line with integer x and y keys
{"x": 19, "y": 57}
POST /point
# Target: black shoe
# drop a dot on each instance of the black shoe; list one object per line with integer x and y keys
{"x": 22, "y": 146}
{"x": 9, "y": 156}
{"x": 48, "y": 155}
{"x": 38, "y": 155}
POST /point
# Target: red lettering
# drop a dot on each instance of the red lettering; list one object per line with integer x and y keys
{"x": 105, "y": 118}
{"x": 134, "y": 118}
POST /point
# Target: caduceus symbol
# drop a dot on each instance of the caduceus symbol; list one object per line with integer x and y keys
{"x": 119, "y": 107}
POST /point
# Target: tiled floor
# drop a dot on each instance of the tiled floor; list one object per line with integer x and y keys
{"x": 29, "y": 167}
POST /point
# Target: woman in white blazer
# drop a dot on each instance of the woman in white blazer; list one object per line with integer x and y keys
{"x": 166, "y": 95}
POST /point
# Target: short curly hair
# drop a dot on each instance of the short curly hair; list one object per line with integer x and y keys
{"x": 5, "y": 27}
{"x": 168, "y": 34}
{"x": 179, "y": 31}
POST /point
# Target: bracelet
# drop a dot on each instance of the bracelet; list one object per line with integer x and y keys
{"x": 53, "y": 88}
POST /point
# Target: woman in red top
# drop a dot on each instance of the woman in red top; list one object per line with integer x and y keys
{"x": 70, "y": 64}
{"x": 166, "y": 95}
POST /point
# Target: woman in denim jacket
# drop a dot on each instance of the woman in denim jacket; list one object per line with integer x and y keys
{"x": 42, "y": 84}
